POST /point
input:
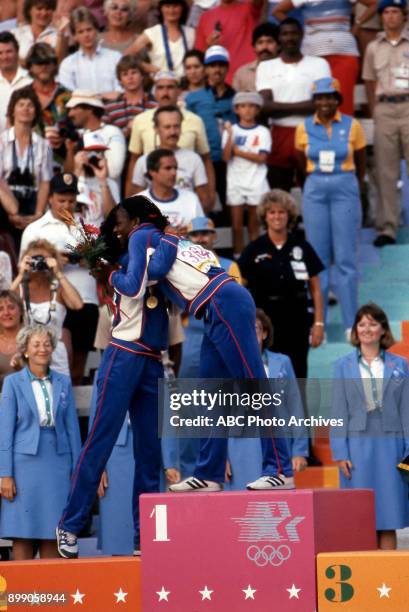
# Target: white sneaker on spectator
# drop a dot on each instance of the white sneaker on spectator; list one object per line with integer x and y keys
{"x": 195, "y": 484}
{"x": 271, "y": 483}
{"x": 67, "y": 544}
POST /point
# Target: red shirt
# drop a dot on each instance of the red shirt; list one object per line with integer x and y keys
{"x": 238, "y": 21}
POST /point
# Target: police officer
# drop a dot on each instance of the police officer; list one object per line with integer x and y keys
{"x": 331, "y": 146}
{"x": 279, "y": 269}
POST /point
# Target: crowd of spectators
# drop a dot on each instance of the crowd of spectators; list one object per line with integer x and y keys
{"x": 220, "y": 111}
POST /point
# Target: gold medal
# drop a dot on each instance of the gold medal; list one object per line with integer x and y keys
{"x": 152, "y": 301}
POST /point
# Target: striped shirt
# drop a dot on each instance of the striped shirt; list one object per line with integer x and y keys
{"x": 119, "y": 113}
{"x": 327, "y": 27}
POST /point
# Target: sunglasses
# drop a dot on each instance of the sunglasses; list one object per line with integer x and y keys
{"x": 122, "y": 9}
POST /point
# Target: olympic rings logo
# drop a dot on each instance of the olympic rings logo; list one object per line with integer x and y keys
{"x": 268, "y": 555}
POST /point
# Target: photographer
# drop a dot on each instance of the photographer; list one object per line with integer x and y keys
{"x": 79, "y": 325}
{"x": 85, "y": 112}
{"x": 47, "y": 294}
{"x": 25, "y": 159}
{"x": 91, "y": 169}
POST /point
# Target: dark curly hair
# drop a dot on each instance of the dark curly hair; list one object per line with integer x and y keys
{"x": 25, "y": 93}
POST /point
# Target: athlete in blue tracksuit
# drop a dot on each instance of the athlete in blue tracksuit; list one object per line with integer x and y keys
{"x": 197, "y": 285}
{"x": 127, "y": 381}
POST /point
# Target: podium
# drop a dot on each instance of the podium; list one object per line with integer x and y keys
{"x": 245, "y": 551}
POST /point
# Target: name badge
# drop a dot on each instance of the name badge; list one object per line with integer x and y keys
{"x": 401, "y": 77}
{"x": 300, "y": 270}
{"x": 327, "y": 161}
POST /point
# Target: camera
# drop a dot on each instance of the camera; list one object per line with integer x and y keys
{"x": 94, "y": 160}
{"x": 38, "y": 263}
{"x": 67, "y": 130}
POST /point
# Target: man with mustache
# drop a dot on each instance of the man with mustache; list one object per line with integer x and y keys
{"x": 265, "y": 45}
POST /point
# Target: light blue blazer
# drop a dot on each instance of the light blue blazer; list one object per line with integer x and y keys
{"x": 19, "y": 422}
{"x": 349, "y": 402}
{"x": 280, "y": 367}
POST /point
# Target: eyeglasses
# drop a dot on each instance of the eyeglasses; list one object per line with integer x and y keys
{"x": 122, "y": 9}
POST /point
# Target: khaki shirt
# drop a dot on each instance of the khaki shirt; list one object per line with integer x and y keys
{"x": 245, "y": 77}
{"x": 388, "y": 65}
{"x": 144, "y": 138}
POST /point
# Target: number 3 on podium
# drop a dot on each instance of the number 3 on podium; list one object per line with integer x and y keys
{"x": 345, "y": 591}
{"x": 160, "y": 512}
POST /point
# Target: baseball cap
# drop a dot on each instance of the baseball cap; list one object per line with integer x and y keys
{"x": 248, "y": 97}
{"x": 84, "y": 96}
{"x": 216, "y": 53}
{"x": 165, "y": 75}
{"x": 328, "y": 85}
{"x": 64, "y": 183}
{"x": 383, "y": 4}
{"x": 93, "y": 141}
{"x": 200, "y": 224}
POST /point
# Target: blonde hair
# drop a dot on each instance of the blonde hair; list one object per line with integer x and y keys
{"x": 42, "y": 244}
{"x": 282, "y": 199}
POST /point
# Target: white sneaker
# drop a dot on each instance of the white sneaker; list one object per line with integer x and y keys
{"x": 67, "y": 544}
{"x": 271, "y": 483}
{"x": 195, "y": 484}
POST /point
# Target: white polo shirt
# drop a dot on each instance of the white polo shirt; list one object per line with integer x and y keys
{"x": 61, "y": 235}
{"x": 25, "y": 38}
{"x": 291, "y": 82}
{"x": 180, "y": 209}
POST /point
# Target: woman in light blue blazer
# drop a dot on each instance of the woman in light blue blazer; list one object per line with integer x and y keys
{"x": 371, "y": 401}
{"x": 39, "y": 445}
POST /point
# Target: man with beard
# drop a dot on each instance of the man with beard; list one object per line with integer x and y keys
{"x": 265, "y": 45}
{"x": 286, "y": 85}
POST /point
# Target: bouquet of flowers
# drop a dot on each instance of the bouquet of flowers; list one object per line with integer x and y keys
{"x": 90, "y": 245}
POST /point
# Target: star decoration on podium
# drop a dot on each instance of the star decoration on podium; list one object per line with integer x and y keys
{"x": 78, "y": 597}
{"x": 249, "y": 592}
{"x": 163, "y": 595}
{"x": 206, "y": 594}
{"x": 384, "y": 591}
{"x": 294, "y": 592}
{"x": 120, "y": 596}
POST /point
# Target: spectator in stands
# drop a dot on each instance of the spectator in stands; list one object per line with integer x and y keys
{"x": 328, "y": 34}
{"x": 86, "y": 111}
{"x": 47, "y": 293}
{"x": 122, "y": 110}
{"x": 191, "y": 173}
{"x": 40, "y": 443}
{"x": 194, "y": 71}
{"x": 285, "y": 84}
{"x": 370, "y": 395}
{"x": 214, "y": 104}
{"x": 6, "y": 270}
{"x": 25, "y": 159}
{"x": 279, "y": 269}
{"x": 169, "y": 40}
{"x": 265, "y": 45}
{"x": 119, "y": 33}
{"x": 331, "y": 146}
{"x": 92, "y": 67}
{"x": 79, "y": 326}
{"x": 11, "y": 318}
{"x": 42, "y": 64}
{"x": 179, "y": 206}
{"x": 39, "y": 28}
{"x": 8, "y": 14}
{"x": 386, "y": 75}
{"x": 231, "y": 25}
{"x": 367, "y": 23}
{"x": 246, "y": 145}
{"x": 8, "y": 206}
{"x": 91, "y": 169}
{"x": 193, "y": 136}
{"x": 12, "y": 76}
